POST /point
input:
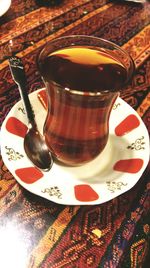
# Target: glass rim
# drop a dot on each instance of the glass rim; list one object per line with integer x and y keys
{"x": 107, "y": 42}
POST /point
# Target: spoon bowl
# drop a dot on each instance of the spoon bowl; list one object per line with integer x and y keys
{"x": 37, "y": 150}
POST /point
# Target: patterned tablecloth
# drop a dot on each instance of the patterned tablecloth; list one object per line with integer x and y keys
{"x": 35, "y": 232}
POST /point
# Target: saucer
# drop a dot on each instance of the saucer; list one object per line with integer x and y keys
{"x": 116, "y": 170}
{"x": 4, "y": 6}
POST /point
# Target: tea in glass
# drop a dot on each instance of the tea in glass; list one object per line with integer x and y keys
{"x": 83, "y": 76}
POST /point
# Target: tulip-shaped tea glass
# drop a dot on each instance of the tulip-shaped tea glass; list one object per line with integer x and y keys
{"x": 83, "y": 76}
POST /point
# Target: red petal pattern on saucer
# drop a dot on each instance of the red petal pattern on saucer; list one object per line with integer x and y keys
{"x": 129, "y": 165}
{"x": 43, "y": 98}
{"x": 85, "y": 193}
{"x": 128, "y": 124}
{"x": 29, "y": 174}
{"x": 16, "y": 127}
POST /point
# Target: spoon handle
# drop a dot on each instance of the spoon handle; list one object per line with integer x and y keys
{"x": 18, "y": 74}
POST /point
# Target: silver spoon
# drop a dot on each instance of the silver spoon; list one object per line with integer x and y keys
{"x": 34, "y": 143}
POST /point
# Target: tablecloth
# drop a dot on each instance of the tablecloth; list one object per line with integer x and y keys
{"x": 35, "y": 232}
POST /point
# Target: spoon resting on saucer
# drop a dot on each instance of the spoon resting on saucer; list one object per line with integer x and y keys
{"x": 34, "y": 143}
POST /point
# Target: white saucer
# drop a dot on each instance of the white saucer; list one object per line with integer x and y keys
{"x": 4, "y": 6}
{"x": 115, "y": 171}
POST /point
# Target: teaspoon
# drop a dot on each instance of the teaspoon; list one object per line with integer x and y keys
{"x": 34, "y": 143}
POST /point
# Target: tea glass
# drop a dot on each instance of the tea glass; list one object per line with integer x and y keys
{"x": 76, "y": 128}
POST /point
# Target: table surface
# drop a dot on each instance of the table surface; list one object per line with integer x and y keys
{"x": 35, "y": 232}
